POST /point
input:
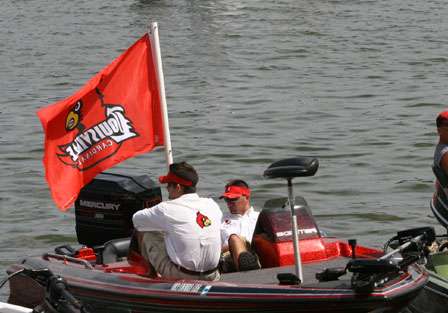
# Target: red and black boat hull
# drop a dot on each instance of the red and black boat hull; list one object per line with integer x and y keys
{"x": 124, "y": 293}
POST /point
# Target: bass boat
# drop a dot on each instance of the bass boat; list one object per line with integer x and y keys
{"x": 301, "y": 269}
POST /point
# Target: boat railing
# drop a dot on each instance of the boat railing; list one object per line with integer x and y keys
{"x": 66, "y": 258}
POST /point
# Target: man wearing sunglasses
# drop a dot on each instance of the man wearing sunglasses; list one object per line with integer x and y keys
{"x": 180, "y": 237}
{"x": 237, "y": 229}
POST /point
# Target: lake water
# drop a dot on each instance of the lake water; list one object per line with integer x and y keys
{"x": 357, "y": 84}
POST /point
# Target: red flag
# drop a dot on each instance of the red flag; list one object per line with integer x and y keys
{"x": 115, "y": 116}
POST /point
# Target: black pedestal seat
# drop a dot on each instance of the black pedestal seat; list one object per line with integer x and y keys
{"x": 300, "y": 166}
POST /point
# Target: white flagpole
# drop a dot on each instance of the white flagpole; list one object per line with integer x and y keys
{"x": 155, "y": 46}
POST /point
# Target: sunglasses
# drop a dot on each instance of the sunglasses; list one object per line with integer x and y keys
{"x": 231, "y": 200}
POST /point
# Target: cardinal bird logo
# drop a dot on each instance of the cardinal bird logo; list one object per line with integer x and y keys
{"x": 202, "y": 220}
{"x": 97, "y": 140}
{"x": 73, "y": 118}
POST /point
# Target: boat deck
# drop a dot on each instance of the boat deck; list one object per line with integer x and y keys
{"x": 269, "y": 275}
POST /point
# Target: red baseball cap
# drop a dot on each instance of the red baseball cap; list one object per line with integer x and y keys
{"x": 442, "y": 119}
{"x": 233, "y": 192}
{"x": 173, "y": 178}
{"x": 180, "y": 173}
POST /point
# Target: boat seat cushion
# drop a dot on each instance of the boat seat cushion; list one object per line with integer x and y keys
{"x": 292, "y": 167}
{"x": 115, "y": 250}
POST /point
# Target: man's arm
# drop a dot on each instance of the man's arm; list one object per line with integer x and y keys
{"x": 150, "y": 219}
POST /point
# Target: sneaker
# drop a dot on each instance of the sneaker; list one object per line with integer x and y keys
{"x": 226, "y": 264}
{"x": 248, "y": 261}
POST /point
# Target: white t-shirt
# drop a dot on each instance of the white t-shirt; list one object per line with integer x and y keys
{"x": 191, "y": 227}
{"x": 241, "y": 225}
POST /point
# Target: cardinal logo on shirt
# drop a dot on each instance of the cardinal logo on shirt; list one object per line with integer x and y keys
{"x": 202, "y": 220}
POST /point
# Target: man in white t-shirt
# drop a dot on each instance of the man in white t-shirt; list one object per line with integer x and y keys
{"x": 237, "y": 228}
{"x": 180, "y": 237}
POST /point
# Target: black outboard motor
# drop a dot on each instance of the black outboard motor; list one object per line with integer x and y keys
{"x": 105, "y": 206}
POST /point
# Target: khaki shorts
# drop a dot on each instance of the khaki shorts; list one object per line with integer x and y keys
{"x": 153, "y": 249}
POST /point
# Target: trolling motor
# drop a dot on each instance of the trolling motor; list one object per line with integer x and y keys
{"x": 288, "y": 169}
{"x": 58, "y": 298}
{"x": 411, "y": 244}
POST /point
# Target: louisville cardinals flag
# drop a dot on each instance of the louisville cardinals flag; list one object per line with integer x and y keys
{"x": 115, "y": 116}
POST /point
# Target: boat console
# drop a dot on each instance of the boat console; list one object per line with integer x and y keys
{"x": 273, "y": 237}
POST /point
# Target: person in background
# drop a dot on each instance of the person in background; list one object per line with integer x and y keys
{"x": 180, "y": 237}
{"x": 237, "y": 228}
{"x": 440, "y": 156}
{"x": 439, "y": 203}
